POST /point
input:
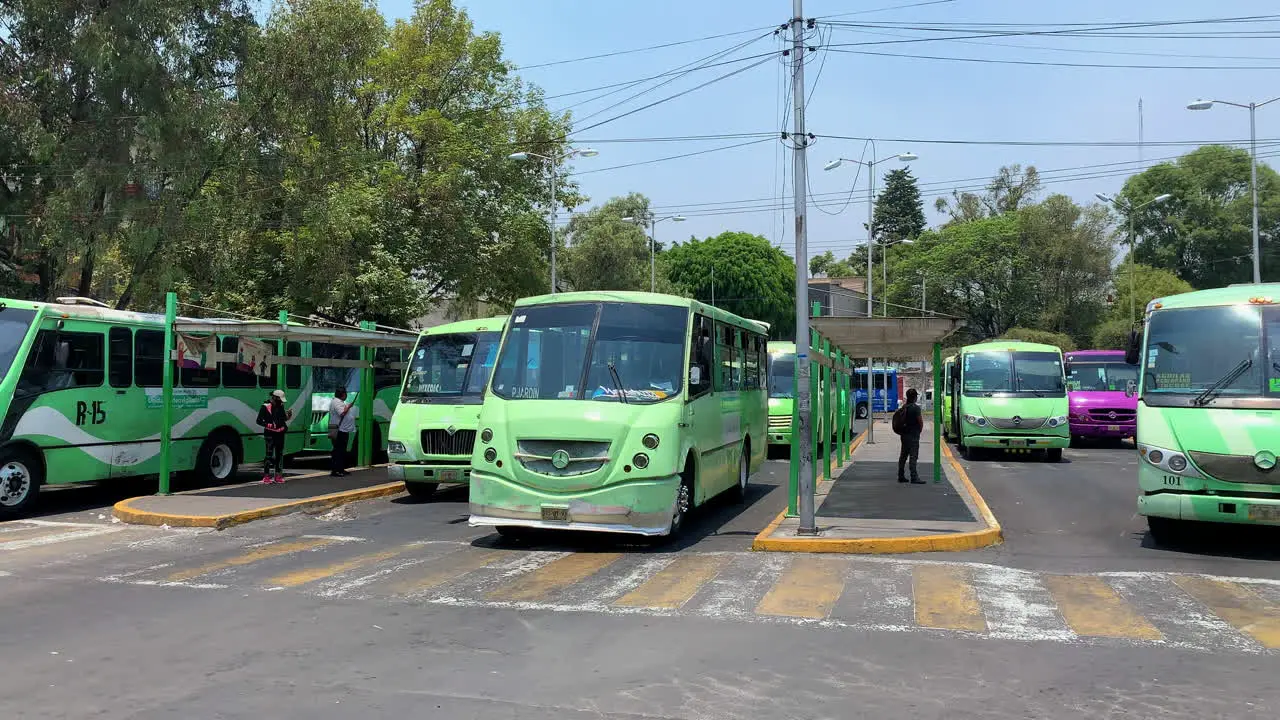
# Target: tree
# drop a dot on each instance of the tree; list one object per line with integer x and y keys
{"x": 1112, "y": 335}
{"x": 1011, "y": 189}
{"x": 1071, "y": 248}
{"x": 1150, "y": 283}
{"x": 1060, "y": 340}
{"x": 1203, "y": 233}
{"x": 899, "y": 213}
{"x": 750, "y": 277}
{"x": 608, "y": 253}
{"x": 826, "y": 265}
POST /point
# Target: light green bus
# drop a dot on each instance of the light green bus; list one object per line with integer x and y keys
{"x": 386, "y": 386}
{"x": 618, "y": 412}
{"x": 950, "y": 423}
{"x": 1209, "y": 408}
{"x": 1009, "y": 394}
{"x": 782, "y": 391}
{"x": 434, "y": 426}
{"x": 81, "y": 394}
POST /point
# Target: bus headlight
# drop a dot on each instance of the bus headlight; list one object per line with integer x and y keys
{"x": 490, "y": 454}
{"x": 641, "y": 461}
{"x": 395, "y": 447}
{"x": 1177, "y": 463}
{"x": 976, "y": 420}
{"x": 1058, "y": 420}
{"x": 650, "y": 441}
{"x": 1168, "y": 460}
{"x": 486, "y": 435}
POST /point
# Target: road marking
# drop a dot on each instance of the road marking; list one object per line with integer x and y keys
{"x": 945, "y": 598}
{"x": 674, "y": 585}
{"x": 543, "y": 582}
{"x": 1092, "y": 607}
{"x": 1247, "y": 611}
{"x": 33, "y": 537}
{"x": 808, "y": 588}
{"x": 308, "y": 575}
{"x": 261, "y": 552}
{"x": 448, "y": 568}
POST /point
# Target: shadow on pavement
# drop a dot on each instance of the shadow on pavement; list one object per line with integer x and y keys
{"x": 1242, "y": 542}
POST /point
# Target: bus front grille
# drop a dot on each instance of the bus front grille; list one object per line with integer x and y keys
{"x": 318, "y": 415}
{"x": 442, "y": 442}
{"x": 1234, "y": 468}
{"x": 584, "y": 456}
{"x": 1112, "y": 415}
{"x": 779, "y": 422}
{"x": 1020, "y": 424}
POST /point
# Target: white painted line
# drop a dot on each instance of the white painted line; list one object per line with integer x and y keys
{"x": 1018, "y": 607}
{"x": 60, "y": 537}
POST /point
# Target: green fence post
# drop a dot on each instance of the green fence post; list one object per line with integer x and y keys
{"x": 166, "y": 390}
{"x": 793, "y": 466}
{"x": 365, "y": 398}
{"x": 937, "y": 412}
{"x": 844, "y": 407}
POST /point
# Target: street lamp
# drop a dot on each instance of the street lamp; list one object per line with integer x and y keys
{"x": 1131, "y": 211}
{"x": 871, "y": 193}
{"x": 1253, "y": 166}
{"x": 553, "y": 160}
{"x": 653, "y": 241}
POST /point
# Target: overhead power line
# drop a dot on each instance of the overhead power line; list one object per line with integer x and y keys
{"x": 1045, "y": 63}
{"x": 648, "y": 48}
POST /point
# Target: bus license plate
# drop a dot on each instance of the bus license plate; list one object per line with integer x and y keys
{"x": 448, "y": 476}
{"x": 1017, "y": 443}
{"x": 1264, "y": 513}
{"x": 1113, "y": 428}
{"x": 555, "y": 514}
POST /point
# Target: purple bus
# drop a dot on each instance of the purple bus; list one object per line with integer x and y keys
{"x": 1103, "y": 393}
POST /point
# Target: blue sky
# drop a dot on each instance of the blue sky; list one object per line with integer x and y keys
{"x": 900, "y": 101}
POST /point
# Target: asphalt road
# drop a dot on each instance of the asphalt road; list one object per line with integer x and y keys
{"x": 395, "y": 608}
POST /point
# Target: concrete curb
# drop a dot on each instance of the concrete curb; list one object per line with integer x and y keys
{"x": 953, "y": 542}
{"x": 134, "y": 516}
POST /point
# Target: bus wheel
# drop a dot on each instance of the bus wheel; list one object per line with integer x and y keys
{"x": 514, "y": 533}
{"x": 970, "y": 453}
{"x": 420, "y": 490}
{"x": 1053, "y": 455}
{"x": 684, "y": 502}
{"x": 740, "y": 490}
{"x": 20, "y": 480}
{"x": 219, "y": 458}
{"x": 862, "y": 411}
{"x": 1166, "y": 531}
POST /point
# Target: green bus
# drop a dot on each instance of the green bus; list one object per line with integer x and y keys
{"x": 1010, "y": 394}
{"x": 434, "y": 426}
{"x": 387, "y": 373}
{"x": 1209, "y": 408}
{"x": 782, "y": 391}
{"x": 81, "y": 395}
{"x": 618, "y": 412}
{"x": 950, "y": 427}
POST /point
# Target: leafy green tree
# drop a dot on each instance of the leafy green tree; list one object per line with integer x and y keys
{"x": 747, "y": 275}
{"x": 1071, "y": 248}
{"x": 1149, "y": 283}
{"x": 899, "y": 212}
{"x": 607, "y": 252}
{"x": 826, "y": 265}
{"x": 1011, "y": 189}
{"x": 1061, "y": 340}
{"x": 1112, "y": 335}
{"x": 1203, "y": 233}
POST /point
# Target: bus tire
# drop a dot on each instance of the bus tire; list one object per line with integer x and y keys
{"x": 684, "y": 500}
{"x": 219, "y": 458}
{"x": 970, "y": 453}
{"x": 744, "y": 469}
{"x": 514, "y": 533}
{"x": 1053, "y": 455}
{"x": 21, "y": 475}
{"x": 862, "y": 411}
{"x": 420, "y": 490}
{"x": 1166, "y": 531}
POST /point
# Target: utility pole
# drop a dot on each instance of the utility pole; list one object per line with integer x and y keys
{"x": 804, "y": 443}
{"x": 871, "y": 307}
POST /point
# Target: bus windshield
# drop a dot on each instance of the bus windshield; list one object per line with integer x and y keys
{"x": 782, "y": 376}
{"x": 451, "y": 368}
{"x": 1101, "y": 376}
{"x": 329, "y": 379}
{"x": 13, "y": 328}
{"x": 618, "y": 352}
{"x": 1216, "y": 353}
{"x": 1024, "y": 372}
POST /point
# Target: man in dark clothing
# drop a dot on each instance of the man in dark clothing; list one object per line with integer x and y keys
{"x": 913, "y": 426}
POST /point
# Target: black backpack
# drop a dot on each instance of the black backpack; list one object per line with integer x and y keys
{"x": 900, "y": 420}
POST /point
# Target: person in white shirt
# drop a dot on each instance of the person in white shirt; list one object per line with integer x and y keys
{"x": 342, "y": 424}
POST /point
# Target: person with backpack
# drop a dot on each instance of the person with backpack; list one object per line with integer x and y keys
{"x": 274, "y": 419}
{"x": 908, "y": 423}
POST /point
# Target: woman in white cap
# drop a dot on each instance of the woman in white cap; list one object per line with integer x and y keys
{"x": 274, "y": 419}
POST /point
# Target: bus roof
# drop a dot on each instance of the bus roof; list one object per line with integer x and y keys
{"x": 644, "y": 298}
{"x": 106, "y": 314}
{"x": 777, "y": 347}
{"x": 1087, "y": 354}
{"x": 949, "y": 359}
{"x": 462, "y": 326}
{"x": 1014, "y": 345}
{"x": 1233, "y": 295}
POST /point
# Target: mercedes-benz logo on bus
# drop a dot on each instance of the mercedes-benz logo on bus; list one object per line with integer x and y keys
{"x": 451, "y": 430}
{"x": 1111, "y": 415}
{"x": 1265, "y": 460}
{"x": 560, "y": 459}
{"x": 1017, "y": 420}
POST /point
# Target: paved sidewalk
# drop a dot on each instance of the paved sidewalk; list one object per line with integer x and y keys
{"x": 864, "y": 509}
{"x": 223, "y": 507}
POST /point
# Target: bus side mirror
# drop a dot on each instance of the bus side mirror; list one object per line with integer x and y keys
{"x": 1066, "y": 368}
{"x": 1133, "y": 352}
{"x": 695, "y": 376}
{"x": 1130, "y": 388}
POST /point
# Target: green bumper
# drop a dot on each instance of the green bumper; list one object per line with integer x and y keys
{"x": 1033, "y": 442}
{"x": 643, "y": 507}
{"x": 1211, "y": 508}
{"x": 422, "y": 472}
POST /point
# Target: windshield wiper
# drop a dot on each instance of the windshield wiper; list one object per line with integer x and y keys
{"x": 617, "y": 382}
{"x": 1204, "y": 397}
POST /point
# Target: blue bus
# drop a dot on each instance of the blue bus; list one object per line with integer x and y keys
{"x": 885, "y": 385}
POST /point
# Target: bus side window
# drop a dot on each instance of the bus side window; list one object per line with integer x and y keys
{"x": 293, "y": 373}
{"x": 701, "y": 354}
{"x": 63, "y": 360}
{"x": 199, "y": 377}
{"x": 271, "y": 382}
{"x": 232, "y": 375}
{"x": 148, "y": 351}
{"x": 120, "y": 357}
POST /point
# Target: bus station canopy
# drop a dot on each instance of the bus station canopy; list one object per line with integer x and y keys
{"x": 267, "y": 330}
{"x": 888, "y": 337}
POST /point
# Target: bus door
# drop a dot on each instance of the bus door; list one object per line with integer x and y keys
{"x": 702, "y": 411}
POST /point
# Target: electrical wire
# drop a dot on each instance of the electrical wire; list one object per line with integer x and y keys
{"x": 990, "y": 61}
{"x": 632, "y": 51}
{"x": 674, "y": 157}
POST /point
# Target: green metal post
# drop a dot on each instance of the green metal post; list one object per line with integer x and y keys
{"x": 365, "y": 398}
{"x": 815, "y": 387}
{"x": 166, "y": 389}
{"x": 845, "y": 392}
{"x": 829, "y": 425}
{"x": 937, "y": 412}
{"x": 793, "y": 485}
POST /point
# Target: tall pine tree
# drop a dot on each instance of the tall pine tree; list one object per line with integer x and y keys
{"x": 899, "y": 212}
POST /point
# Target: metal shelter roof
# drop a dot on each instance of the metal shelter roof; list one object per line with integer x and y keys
{"x": 891, "y": 337}
{"x": 267, "y": 330}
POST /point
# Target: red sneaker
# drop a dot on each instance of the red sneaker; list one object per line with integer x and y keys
{"x": 280, "y": 479}
{"x": 266, "y": 479}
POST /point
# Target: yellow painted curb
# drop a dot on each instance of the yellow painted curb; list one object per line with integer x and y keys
{"x": 990, "y": 535}
{"x": 134, "y": 516}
